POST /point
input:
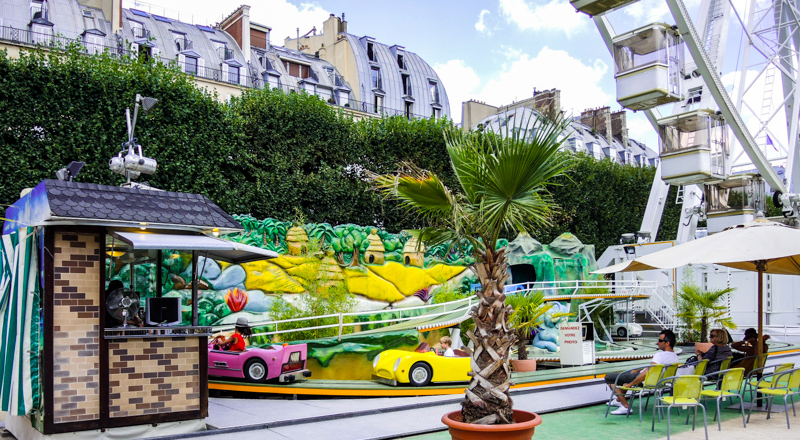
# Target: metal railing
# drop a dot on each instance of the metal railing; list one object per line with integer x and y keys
{"x": 586, "y": 287}
{"x": 225, "y": 53}
{"x": 183, "y": 43}
{"x": 464, "y": 304}
{"x": 140, "y": 33}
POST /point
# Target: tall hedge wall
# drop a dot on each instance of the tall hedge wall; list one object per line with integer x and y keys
{"x": 265, "y": 153}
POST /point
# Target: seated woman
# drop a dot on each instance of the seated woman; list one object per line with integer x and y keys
{"x": 719, "y": 351}
{"x": 236, "y": 341}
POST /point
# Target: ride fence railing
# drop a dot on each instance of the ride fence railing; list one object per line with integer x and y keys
{"x": 611, "y": 288}
{"x": 353, "y": 322}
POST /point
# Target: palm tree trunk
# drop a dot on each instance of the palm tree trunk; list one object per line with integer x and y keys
{"x": 522, "y": 345}
{"x": 704, "y": 329}
{"x": 487, "y": 399}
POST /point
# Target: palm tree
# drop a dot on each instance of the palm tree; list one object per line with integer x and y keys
{"x": 700, "y": 309}
{"x": 502, "y": 184}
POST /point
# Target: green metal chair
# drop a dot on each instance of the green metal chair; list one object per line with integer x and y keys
{"x": 785, "y": 384}
{"x": 700, "y": 368}
{"x": 753, "y": 379}
{"x": 685, "y": 393}
{"x": 647, "y": 387}
{"x": 617, "y": 384}
{"x": 731, "y": 386}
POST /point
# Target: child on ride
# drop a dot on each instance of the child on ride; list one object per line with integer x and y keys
{"x": 236, "y": 341}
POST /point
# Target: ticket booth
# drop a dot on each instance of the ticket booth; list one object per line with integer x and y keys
{"x": 78, "y": 368}
{"x": 694, "y": 148}
{"x": 648, "y": 66}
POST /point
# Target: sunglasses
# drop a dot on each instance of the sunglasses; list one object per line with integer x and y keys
{"x": 662, "y": 340}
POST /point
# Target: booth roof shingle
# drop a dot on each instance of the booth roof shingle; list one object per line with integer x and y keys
{"x": 104, "y": 202}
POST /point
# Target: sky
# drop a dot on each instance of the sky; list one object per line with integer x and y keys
{"x": 495, "y": 51}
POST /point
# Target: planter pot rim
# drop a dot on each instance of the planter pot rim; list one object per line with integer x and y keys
{"x": 453, "y": 420}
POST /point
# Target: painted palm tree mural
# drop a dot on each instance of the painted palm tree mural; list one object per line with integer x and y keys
{"x": 502, "y": 186}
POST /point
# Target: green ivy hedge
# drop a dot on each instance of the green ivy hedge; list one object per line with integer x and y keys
{"x": 265, "y": 153}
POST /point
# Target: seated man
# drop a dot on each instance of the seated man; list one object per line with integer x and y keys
{"x": 666, "y": 340}
{"x": 748, "y": 347}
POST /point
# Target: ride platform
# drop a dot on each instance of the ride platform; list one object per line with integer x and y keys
{"x": 528, "y": 380}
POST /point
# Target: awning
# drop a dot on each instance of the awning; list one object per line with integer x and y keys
{"x": 210, "y": 247}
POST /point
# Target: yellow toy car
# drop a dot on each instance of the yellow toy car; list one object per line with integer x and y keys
{"x": 394, "y": 367}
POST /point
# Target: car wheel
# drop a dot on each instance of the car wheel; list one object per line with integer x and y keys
{"x": 255, "y": 370}
{"x": 621, "y": 332}
{"x": 420, "y": 374}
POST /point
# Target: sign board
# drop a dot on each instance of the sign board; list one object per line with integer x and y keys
{"x": 576, "y": 340}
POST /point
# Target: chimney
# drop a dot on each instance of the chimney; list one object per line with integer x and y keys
{"x": 619, "y": 127}
{"x": 238, "y": 26}
{"x": 547, "y": 101}
{"x": 599, "y": 120}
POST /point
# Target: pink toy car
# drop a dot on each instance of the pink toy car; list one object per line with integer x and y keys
{"x": 286, "y": 363}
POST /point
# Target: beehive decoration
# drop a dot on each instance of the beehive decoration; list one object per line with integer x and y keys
{"x": 297, "y": 240}
{"x": 376, "y": 251}
{"x": 330, "y": 274}
{"x": 414, "y": 253}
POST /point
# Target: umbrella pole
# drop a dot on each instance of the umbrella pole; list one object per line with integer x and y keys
{"x": 761, "y": 266}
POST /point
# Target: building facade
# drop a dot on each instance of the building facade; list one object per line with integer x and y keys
{"x": 385, "y": 79}
{"x": 598, "y": 132}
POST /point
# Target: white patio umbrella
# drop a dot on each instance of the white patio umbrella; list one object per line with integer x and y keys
{"x": 760, "y": 245}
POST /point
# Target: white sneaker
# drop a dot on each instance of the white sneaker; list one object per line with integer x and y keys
{"x": 621, "y": 411}
{"x": 614, "y": 403}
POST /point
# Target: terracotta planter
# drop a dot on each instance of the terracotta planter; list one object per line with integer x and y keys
{"x": 526, "y": 422}
{"x": 523, "y": 365}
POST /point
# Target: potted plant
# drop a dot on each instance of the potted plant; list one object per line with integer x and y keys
{"x": 529, "y": 309}
{"x": 501, "y": 185}
{"x": 701, "y": 309}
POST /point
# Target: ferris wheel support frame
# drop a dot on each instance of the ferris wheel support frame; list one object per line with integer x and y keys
{"x": 723, "y": 101}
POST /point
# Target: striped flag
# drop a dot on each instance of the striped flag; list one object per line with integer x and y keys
{"x": 19, "y": 326}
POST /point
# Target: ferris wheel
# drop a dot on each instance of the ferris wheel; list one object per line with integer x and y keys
{"x": 722, "y": 93}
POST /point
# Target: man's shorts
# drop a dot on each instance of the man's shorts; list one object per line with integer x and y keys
{"x": 624, "y": 378}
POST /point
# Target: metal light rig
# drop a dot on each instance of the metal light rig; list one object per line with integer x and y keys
{"x": 133, "y": 163}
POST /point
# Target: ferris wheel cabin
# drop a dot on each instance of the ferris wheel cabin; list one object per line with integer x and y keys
{"x": 648, "y": 63}
{"x": 694, "y": 148}
{"x": 597, "y": 7}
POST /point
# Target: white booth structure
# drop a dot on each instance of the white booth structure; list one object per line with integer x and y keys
{"x": 694, "y": 148}
{"x": 734, "y": 201}
{"x": 597, "y": 7}
{"x": 648, "y": 65}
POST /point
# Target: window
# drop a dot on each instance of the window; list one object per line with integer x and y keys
{"x": 93, "y": 43}
{"x": 406, "y": 79}
{"x": 436, "y": 113}
{"x": 190, "y": 65}
{"x": 409, "y": 110}
{"x": 181, "y": 42}
{"x": 433, "y": 86}
{"x": 371, "y": 51}
{"x": 401, "y": 61}
{"x": 344, "y": 98}
{"x": 144, "y": 52}
{"x": 377, "y": 83}
{"x": 274, "y": 81}
{"x": 378, "y": 102}
{"x": 38, "y": 9}
{"x": 41, "y": 34}
{"x": 233, "y": 74}
{"x": 296, "y": 70}
{"x": 138, "y": 30}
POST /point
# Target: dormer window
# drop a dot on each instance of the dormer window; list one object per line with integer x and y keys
{"x": 377, "y": 81}
{"x": 433, "y": 87}
{"x": 406, "y": 79}
{"x": 297, "y": 70}
{"x": 371, "y": 51}
{"x": 93, "y": 43}
{"x": 38, "y": 9}
{"x": 138, "y": 30}
{"x": 401, "y": 61}
{"x": 181, "y": 42}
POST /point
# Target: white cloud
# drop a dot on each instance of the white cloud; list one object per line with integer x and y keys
{"x": 648, "y": 11}
{"x": 460, "y": 81}
{"x": 557, "y": 15}
{"x": 579, "y": 83}
{"x": 480, "y": 26}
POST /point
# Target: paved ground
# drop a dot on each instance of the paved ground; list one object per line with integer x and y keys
{"x": 589, "y": 423}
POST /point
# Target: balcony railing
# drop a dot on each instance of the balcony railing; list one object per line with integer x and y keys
{"x": 225, "y": 53}
{"x": 182, "y": 43}
{"x": 140, "y": 33}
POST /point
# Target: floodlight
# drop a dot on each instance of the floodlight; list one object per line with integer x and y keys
{"x": 70, "y": 171}
{"x": 147, "y": 103}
